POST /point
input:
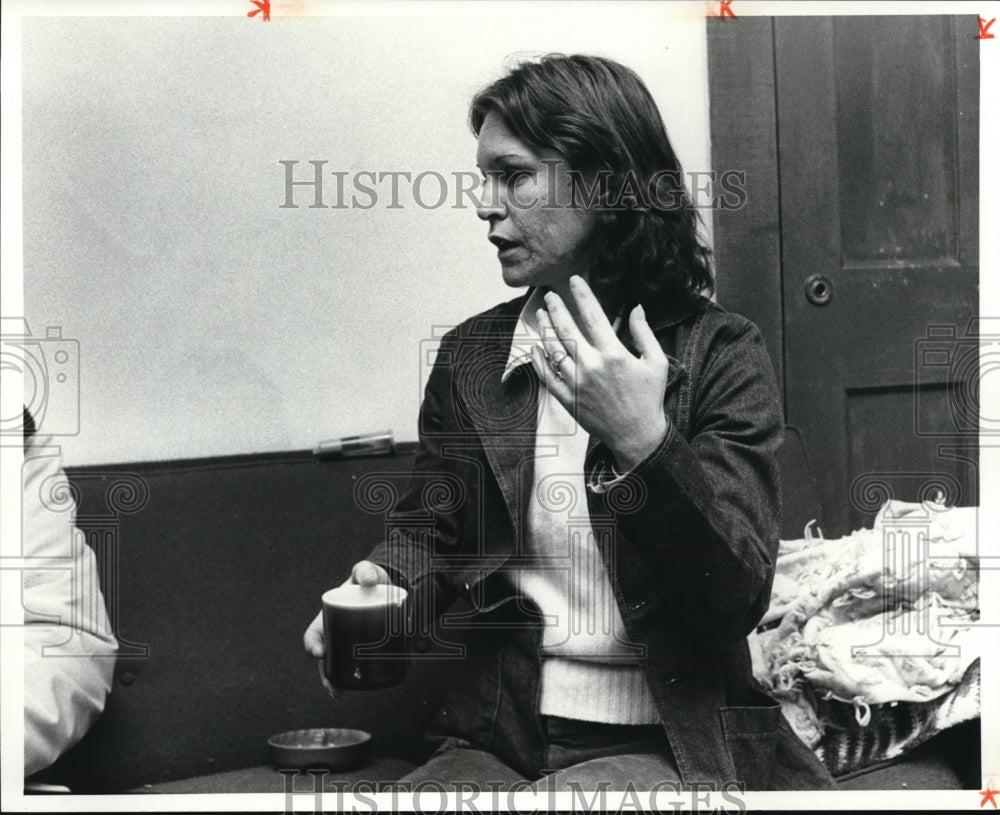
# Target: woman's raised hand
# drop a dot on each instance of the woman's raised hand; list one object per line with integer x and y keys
{"x": 613, "y": 394}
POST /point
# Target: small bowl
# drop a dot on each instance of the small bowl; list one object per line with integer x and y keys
{"x": 335, "y": 748}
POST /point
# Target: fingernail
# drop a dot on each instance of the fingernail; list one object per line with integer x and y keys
{"x": 641, "y": 310}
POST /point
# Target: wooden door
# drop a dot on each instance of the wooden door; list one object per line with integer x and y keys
{"x": 878, "y": 161}
{"x": 870, "y": 212}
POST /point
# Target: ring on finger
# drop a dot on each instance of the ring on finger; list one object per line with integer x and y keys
{"x": 557, "y": 358}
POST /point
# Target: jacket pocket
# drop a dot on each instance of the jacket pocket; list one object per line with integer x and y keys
{"x": 751, "y": 734}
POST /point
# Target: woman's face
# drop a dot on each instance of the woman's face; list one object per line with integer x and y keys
{"x": 527, "y": 201}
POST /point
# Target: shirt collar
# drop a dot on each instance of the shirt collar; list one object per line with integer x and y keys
{"x": 526, "y": 333}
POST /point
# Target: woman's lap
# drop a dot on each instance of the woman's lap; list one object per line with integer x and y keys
{"x": 458, "y": 765}
{"x": 641, "y": 771}
{"x": 578, "y": 756}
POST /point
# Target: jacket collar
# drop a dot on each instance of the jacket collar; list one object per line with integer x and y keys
{"x": 660, "y": 316}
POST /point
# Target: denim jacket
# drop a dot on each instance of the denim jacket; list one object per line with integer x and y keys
{"x": 691, "y": 554}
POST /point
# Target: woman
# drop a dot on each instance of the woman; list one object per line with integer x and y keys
{"x": 611, "y": 440}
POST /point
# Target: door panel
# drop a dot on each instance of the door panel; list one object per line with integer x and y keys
{"x": 897, "y": 174}
{"x": 877, "y": 122}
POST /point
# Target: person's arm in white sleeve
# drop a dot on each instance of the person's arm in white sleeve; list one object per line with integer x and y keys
{"x": 69, "y": 648}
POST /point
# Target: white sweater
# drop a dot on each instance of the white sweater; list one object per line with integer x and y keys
{"x": 589, "y": 669}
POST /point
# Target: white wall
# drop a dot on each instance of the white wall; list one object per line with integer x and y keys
{"x": 211, "y": 321}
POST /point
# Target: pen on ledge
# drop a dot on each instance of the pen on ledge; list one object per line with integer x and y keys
{"x": 367, "y": 444}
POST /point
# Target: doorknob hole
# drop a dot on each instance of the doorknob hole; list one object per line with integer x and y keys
{"x": 819, "y": 289}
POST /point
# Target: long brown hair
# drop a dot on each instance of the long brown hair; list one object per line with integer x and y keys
{"x": 601, "y": 117}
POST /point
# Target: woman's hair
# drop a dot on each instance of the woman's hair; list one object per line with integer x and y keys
{"x": 602, "y": 118}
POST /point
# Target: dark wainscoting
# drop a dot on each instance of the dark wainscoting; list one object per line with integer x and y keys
{"x": 212, "y": 569}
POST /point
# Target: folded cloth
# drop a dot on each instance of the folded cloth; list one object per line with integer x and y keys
{"x": 881, "y": 616}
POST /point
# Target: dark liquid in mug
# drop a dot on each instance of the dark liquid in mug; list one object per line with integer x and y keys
{"x": 365, "y": 642}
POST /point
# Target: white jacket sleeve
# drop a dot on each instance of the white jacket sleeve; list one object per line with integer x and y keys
{"x": 69, "y": 648}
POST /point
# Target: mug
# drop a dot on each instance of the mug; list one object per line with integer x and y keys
{"x": 364, "y": 629}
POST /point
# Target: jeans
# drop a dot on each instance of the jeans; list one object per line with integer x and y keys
{"x": 578, "y": 755}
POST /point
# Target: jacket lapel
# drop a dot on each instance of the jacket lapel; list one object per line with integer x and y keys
{"x": 503, "y": 413}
